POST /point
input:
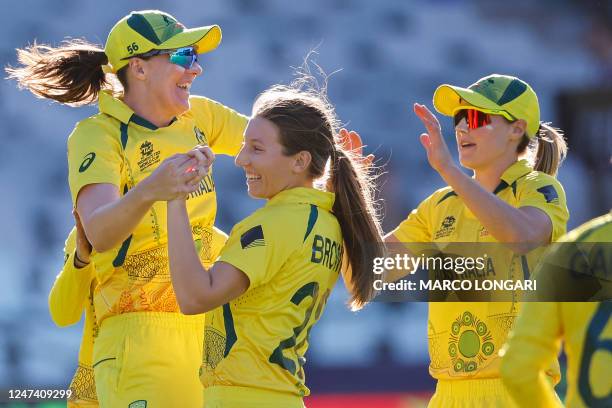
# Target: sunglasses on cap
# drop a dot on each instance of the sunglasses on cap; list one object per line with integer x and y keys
{"x": 185, "y": 57}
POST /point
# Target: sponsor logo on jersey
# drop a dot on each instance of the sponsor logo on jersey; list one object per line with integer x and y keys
{"x": 148, "y": 156}
{"x": 87, "y": 160}
{"x": 483, "y": 232}
{"x": 447, "y": 227}
{"x": 138, "y": 404}
{"x": 200, "y": 136}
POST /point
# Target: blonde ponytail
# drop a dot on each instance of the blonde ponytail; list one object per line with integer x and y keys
{"x": 551, "y": 150}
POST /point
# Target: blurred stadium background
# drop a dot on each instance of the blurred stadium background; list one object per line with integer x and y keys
{"x": 391, "y": 54}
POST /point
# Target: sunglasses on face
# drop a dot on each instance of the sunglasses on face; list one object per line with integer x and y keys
{"x": 185, "y": 57}
{"x": 474, "y": 118}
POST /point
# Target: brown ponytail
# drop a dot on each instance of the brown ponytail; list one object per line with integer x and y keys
{"x": 548, "y": 148}
{"x": 307, "y": 122}
{"x": 70, "y": 74}
{"x": 354, "y": 209}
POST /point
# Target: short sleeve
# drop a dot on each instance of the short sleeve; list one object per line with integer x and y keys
{"x": 545, "y": 193}
{"x": 94, "y": 156}
{"x": 223, "y": 126}
{"x": 219, "y": 238}
{"x": 255, "y": 249}
{"x": 417, "y": 226}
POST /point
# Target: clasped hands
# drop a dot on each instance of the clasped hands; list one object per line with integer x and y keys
{"x": 180, "y": 175}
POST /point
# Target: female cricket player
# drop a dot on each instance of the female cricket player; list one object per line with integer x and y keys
{"x": 508, "y": 200}
{"x": 146, "y": 352}
{"x": 585, "y": 327}
{"x": 273, "y": 278}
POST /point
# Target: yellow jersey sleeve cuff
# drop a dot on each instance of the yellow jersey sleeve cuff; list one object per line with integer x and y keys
{"x": 557, "y": 216}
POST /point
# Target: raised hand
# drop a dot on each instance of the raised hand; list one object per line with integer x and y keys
{"x": 438, "y": 155}
{"x": 351, "y": 141}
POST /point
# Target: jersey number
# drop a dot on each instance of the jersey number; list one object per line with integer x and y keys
{"x": 311, "y": 290}
{"x": 592, "y": 344}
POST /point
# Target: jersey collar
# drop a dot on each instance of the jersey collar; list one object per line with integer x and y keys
{"x": 118, "y": 109}
{"x": 517, "y": 170}
{"x": 304, "y": 195}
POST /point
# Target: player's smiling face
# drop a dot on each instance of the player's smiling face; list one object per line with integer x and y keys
{"x": 485, "y": 146}
{"x": 169, "y": 84}
{"x": 268, "y": 171}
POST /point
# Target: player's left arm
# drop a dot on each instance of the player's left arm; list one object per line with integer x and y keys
{"x": 198, "y": 289}
{"x": 532, "y": 345}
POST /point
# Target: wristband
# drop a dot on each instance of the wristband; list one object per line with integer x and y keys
{"x": 81, "y": 263}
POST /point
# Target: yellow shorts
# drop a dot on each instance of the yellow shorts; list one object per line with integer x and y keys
{"x": 83, "y": 388}
{"x": 149, "y": 359}
{"x": 488, "y": 392}
{"x": 241, "y": 397}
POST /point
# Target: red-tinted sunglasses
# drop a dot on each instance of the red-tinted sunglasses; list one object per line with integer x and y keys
{"x": 474, "y": 118}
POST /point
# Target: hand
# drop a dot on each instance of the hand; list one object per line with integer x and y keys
{"x": 351, "y": 141}
{"x": 438, "y": 155}
{"x": 83, "y": 247}
{"x": 205, "y": 157}
{"x": 175, "y": 178}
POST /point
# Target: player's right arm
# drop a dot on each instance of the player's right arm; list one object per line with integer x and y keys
{"x": 532, "y": 345}
{"x": 94, "y": 169}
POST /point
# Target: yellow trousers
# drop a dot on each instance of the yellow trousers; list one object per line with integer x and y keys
{"x": 149, "y": 360}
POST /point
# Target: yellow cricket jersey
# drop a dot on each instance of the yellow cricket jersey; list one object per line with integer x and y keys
{"x": 585, "y": 327}
{"x": 71, "y": 294}
{"x": 465, "y": 338}
{"x": 291, "y": 250}
{"x": 117, "y": 146}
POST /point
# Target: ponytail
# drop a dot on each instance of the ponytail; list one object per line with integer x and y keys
{"x": 70, "y": 74}
{"x": 548, "y": 148}
{"x": 361, "y": 231}
{"x": 551, "y": 151}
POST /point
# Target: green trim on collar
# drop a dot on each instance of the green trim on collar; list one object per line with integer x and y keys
{"x": 140, "y": 121}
